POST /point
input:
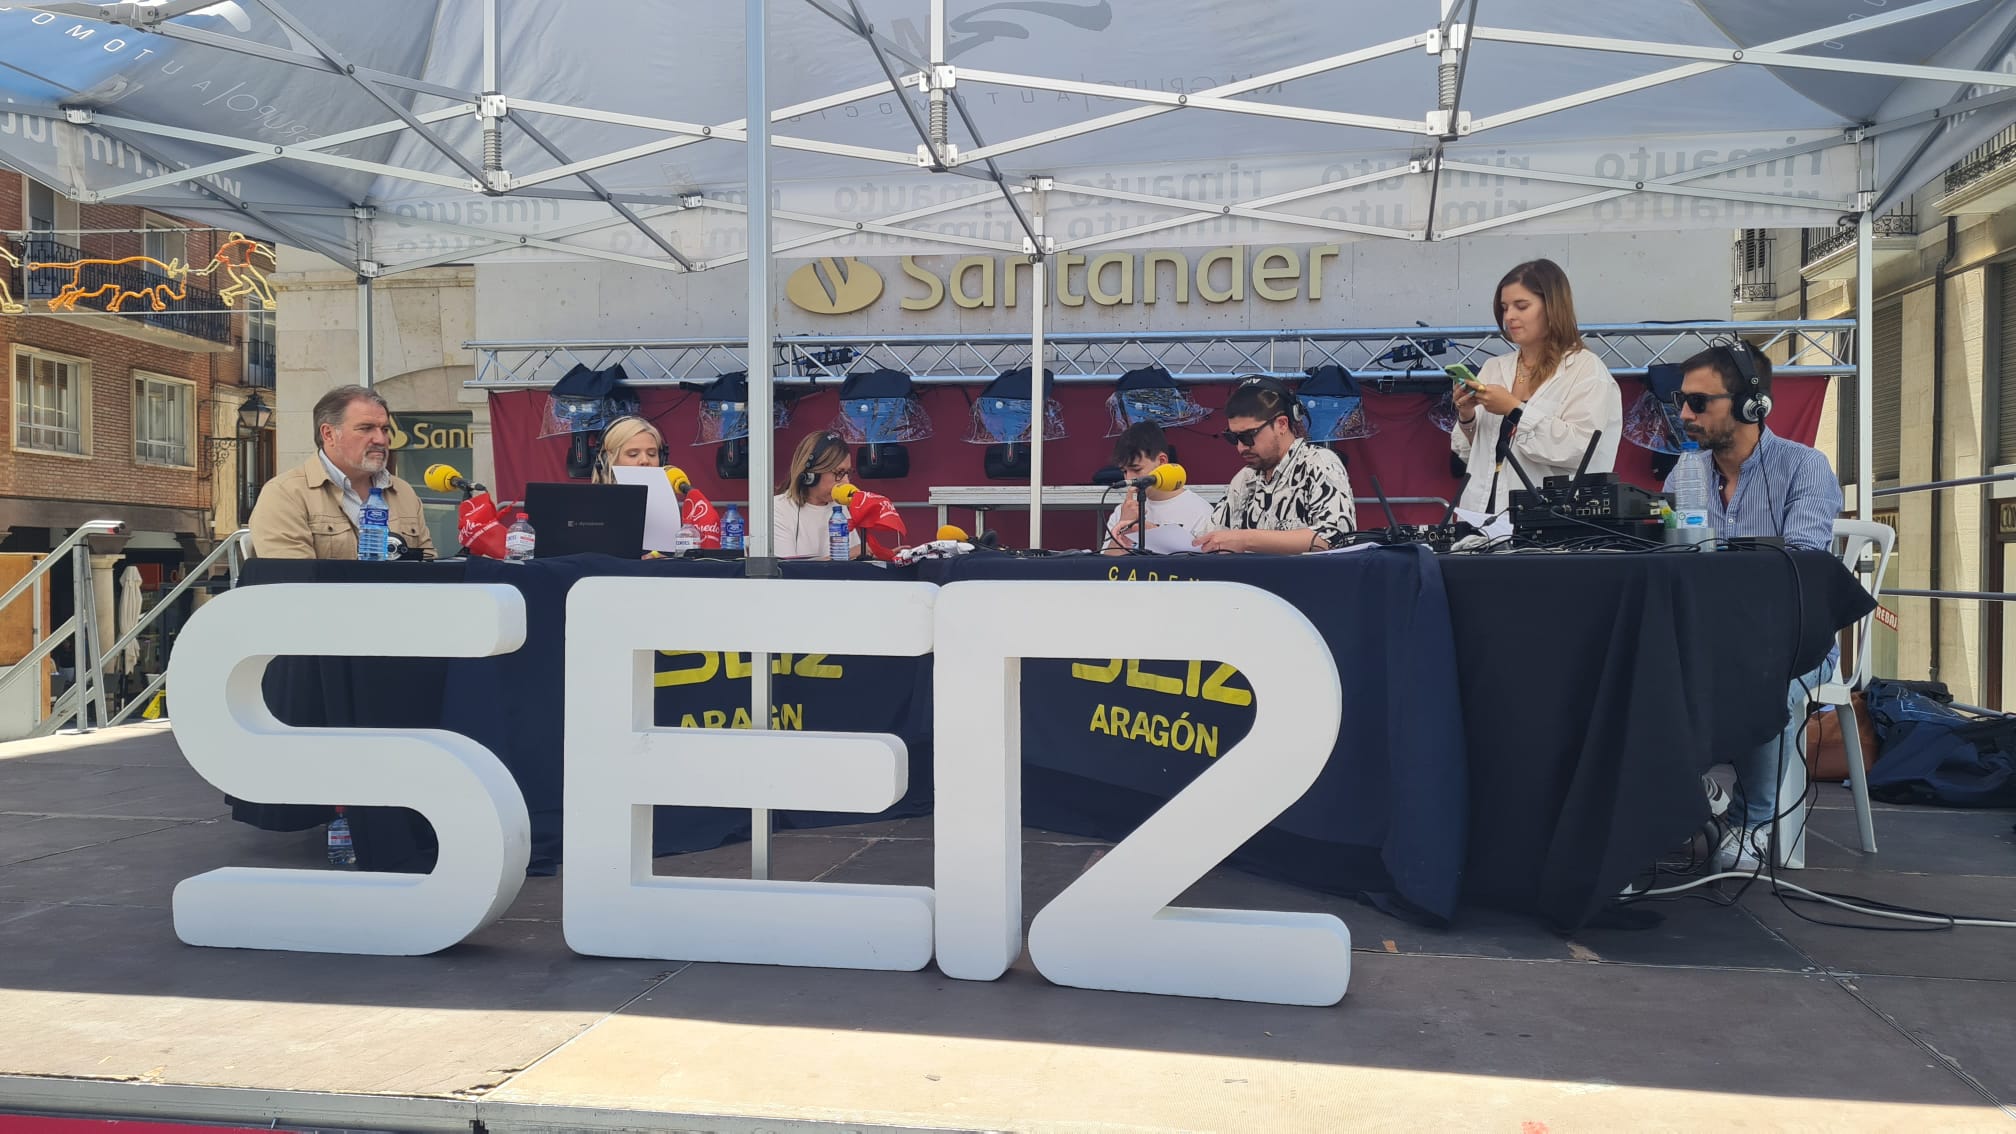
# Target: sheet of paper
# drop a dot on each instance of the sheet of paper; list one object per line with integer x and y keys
{"x": 661, "y": 506}
{"x": 1492, "y": 526}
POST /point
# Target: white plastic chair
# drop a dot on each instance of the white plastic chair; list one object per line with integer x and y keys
{"x": 1852, "y": 538}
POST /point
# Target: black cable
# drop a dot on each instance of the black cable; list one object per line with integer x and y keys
{"x": 1106, "y": 539}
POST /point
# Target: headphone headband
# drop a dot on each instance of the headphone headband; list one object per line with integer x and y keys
{"x": 603, "y": 458}
{"x": 827, "y": 440}
{"x": 1754, "y": 404}
{"x": 1290, "y": 404}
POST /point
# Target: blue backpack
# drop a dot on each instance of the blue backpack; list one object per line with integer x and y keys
{"x": 1931, "y": 752}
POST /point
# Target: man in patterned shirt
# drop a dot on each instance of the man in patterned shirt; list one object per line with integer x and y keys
{"x": 1292, "y": 496}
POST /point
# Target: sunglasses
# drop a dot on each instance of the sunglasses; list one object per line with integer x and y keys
{"x": 1243, "y": 438}
{"x": 1697, "y": 403}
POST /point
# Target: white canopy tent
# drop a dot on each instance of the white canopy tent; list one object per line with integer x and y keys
{"x": 398, "y": 134}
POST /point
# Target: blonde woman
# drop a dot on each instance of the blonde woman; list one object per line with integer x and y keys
{"x": 630, "y": 441}
{"x": 1561, "y": 392}
{"x": 804, "y": 501}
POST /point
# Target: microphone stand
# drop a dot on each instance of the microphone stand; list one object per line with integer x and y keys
{"x": 1505, "y": 429}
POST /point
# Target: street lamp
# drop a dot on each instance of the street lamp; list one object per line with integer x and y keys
{"x": 254, "y": 415}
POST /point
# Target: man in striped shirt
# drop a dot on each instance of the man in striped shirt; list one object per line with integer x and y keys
{"x": 1760, "y": 484}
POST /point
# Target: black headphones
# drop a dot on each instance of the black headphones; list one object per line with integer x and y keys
{"x": 1290, "y": 404}
{"x": 808, "y": 478}
{"x": 602, "y": 456}
{"x": 1753, "y": 407}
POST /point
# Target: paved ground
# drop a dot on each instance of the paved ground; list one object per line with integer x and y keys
{"x": 1743, "y": 1015}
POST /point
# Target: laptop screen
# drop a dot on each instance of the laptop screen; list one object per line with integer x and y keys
{"x": 577, "y": 519}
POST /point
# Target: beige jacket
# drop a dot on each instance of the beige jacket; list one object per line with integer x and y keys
{"x": 300, "y": 516}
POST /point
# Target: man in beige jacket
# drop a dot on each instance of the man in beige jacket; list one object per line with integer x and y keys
{"x": 312, "y": 512}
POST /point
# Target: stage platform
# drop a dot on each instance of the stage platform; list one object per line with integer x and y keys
{"x": 1715, "y": 1017}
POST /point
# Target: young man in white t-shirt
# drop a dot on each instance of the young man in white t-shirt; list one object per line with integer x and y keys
{"x": 1172, "y": 516}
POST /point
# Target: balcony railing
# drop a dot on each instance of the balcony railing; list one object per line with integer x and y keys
{"x": 198, "y": 312}
{"x": 1819, "y": 243}
{"x": 260, "y": 363}
{"x": 1986, "y": 158}
{"x": 1751, "y": 266}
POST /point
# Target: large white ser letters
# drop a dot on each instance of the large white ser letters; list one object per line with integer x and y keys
{"x": 619, "y": 764}
{"x": 1114, "y": 928}
{"x": 232, "y": 739}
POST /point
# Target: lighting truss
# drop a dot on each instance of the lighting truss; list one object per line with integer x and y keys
{"x": 1812, "y": 347}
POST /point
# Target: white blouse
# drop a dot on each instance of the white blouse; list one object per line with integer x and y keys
{"x": 1552, "y": 434}
{"x": 798, "y": 531}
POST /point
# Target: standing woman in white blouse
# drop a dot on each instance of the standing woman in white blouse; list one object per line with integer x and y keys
{"x": 1561, "y": 392}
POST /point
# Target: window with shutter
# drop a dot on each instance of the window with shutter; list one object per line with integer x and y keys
{"x": 2005, "y": 380}
{"x": 1886, "y": 411}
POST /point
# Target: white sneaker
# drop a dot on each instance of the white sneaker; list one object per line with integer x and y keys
{"x": 1743, "y": 849}
{"x": 1718, "y": 796}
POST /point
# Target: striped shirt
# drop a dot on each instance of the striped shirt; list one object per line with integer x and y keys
{"x": 1783, "y": 489}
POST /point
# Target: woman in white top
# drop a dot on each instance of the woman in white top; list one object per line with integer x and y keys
{"x": 804, "y": 506}
{"x": 1562, "y": 393}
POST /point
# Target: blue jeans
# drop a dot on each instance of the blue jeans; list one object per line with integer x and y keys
{"x": 1758, "y": 770}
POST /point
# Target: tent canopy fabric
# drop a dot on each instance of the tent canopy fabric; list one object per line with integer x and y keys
{"x": 397, "y": 134}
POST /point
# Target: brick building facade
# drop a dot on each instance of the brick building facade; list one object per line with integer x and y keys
{"x": 130, "y": 416}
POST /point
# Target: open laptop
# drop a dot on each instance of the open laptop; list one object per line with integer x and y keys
{"x": 572, "y": 519}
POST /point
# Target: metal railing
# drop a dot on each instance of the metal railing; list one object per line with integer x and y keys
{"x": 1817, "y": 244}
{"x": 197, "y": 313}
{"x": 80, "y": 630}
{"x": 1374, "y": 356}
{"x": 1936, "y": 486}
{"x": 1985, "y": 159}
{"x": 232, "y": 550}
{"x": 261, "y": 368}
{"x": 1751, "y": 266}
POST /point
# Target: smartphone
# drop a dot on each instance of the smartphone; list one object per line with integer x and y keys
{"x": 1460, "y": 375}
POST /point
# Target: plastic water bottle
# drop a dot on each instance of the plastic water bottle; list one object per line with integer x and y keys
{"x": 836, "y": 534}
{"x": 374, "y": 522}
{"x": 687, "y": 540}
{"x": 520, "y": 539}
{"x": 1690, "y": 497}
{"x": 342, "y": 852}
{"x": 734, "y": 530}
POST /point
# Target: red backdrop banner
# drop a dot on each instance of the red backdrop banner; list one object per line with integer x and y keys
{"x": 1408, "y": 454}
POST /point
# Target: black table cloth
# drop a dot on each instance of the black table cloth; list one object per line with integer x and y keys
{"x": 1384, "y": 819}
{"x": 1596, "y": 688}
{"x": 324, "y": 692}
{"x": 513, "y": 703}
{"x": 1593, "y": 689}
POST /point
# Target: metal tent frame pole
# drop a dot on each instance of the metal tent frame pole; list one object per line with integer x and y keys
{"x": 366, "y": 332}
{"x": 760, "y": 553}
{"x": 1039, "y": 402}
{"x": 1865, "y": 351}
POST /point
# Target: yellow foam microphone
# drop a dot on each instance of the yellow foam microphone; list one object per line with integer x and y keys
{"x": 952, "y": 532}
{"x": 445, "y": 478}
{"x": 844, "y": 494}
{"x": 1169, "y": 478}
{"x": 677, "y": 478}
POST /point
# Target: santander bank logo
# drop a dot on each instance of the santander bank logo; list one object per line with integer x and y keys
{"x": 833, "y": 286}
